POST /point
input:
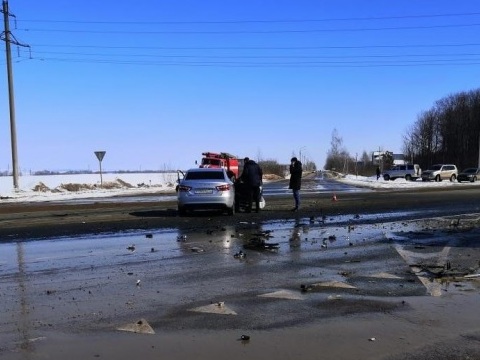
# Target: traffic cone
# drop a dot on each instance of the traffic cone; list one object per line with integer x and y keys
{"x": 334, "y": 197}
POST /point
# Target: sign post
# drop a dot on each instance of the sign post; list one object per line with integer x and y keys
{"x": 100, "y": 155}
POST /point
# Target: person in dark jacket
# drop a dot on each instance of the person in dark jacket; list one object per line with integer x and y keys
{"x": 295, "y": 180}
{"x": 252, "y": 175}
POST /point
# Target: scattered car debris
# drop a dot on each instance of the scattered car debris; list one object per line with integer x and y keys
{"x": 266, "y": 234}
{"x": 149, "y": 236}
{"x": 471, "y": 276}
{"x": 306, "y": 288}
{"x": 131, "y": 247}
{"x": 240, "y": 255}
{"x": 197, "y": 249}
{"x": 260, "y": 244}
{"x": 245, "y": 337}
{"x": 181, "y": 237}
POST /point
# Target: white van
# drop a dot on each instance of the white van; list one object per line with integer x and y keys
{"x": 409, "y": 172}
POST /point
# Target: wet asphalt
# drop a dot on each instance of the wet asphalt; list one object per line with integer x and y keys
{"x": 405, "y": 280}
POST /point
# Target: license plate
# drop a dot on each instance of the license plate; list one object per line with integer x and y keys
{"x": 203, "y": 191}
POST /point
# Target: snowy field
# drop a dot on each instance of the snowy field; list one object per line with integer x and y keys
{"x": 78, "y": 186}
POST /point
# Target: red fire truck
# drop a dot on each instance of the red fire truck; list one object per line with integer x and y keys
{"x": 221, "y": 160}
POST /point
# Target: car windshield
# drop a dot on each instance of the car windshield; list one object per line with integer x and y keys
{"x": 470, "y": 171}
{"x": 436, "y": 167}
{"x": 205, "y": 175}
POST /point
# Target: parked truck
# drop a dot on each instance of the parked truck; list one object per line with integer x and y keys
{"x": 221, "y": 160}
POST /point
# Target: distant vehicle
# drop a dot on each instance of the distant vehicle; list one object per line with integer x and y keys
{"x": 407, "y": 172}
{"x": 441, "y": 172}
{"x": 470, "y": 174}
{"x": 221, "y": 160}
{"x": 205, "y": 189}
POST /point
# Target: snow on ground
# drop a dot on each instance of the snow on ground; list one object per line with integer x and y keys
{"x": 78, "y": 186}
{"x": 373, "y": 183}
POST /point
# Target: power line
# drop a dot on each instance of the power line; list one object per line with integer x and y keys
{"x": 323, "y": 47}
{"x": 255, "y": 21}
{"x": 257, "y": 56}
{"x": 297, "y": 64}
{"x": 236, "y": 32}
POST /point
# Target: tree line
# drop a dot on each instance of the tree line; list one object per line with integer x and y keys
{"x": 449, "y": 132}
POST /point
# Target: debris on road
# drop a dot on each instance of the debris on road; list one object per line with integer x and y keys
{"x": 245, "y": 338}
{"x": 139, "y": 327}
{"x": 240, "y": 255}
{"x": 260, "y": 244}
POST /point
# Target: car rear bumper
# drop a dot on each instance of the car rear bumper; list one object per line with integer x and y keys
{"x": 205, "y": 202}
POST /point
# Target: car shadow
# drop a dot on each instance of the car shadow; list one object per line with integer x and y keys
{"x": 155, "y": 213}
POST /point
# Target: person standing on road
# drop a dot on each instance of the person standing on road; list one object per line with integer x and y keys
{"x": 295, "y": 180}
{"x": 378, "y": 172}
{"x": 252, "y": 175}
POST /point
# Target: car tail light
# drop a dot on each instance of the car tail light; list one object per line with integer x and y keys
{"x": 183, "y": 188}
{"x": 223, "y": 187}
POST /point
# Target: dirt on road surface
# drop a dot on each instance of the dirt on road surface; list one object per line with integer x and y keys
{"x": 37, "y": 220}
{"x": 134, "y": 280}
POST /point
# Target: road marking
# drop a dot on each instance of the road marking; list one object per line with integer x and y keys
{"x": 334, "y": 284}
{"x": 139, "y": 327}
{"x": 217, "y": 308}
{"x": 384, "y": 275}
{"x": 410, "y": 257}
{"x": 283, "y": 294}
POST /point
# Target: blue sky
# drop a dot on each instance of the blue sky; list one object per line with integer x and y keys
{"x": 156, "y": 83}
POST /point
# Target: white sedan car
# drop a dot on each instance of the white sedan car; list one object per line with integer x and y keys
{"x": 205, "y": 189}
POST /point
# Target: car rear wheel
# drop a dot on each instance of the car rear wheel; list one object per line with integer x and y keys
{"x": 437, "y": 178}
{"x": 386, "y": 177}
{"x": 231, "y": 210}
{"x": 474, "y": 179}
{"x": 408, "y": 177}
{"x": 453, "y": 178}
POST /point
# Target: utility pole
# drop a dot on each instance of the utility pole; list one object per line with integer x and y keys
{"x": 9, "y": 38}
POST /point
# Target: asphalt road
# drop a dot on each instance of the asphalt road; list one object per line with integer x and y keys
{"x": 373, "y": 275}
{"x": 39, "y": 220}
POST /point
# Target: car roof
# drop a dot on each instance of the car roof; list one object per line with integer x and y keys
{"x": 206, "y": 170}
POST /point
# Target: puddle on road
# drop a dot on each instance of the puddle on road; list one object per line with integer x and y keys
{"x": 421, "y": 244}
{"x": 343, "y": 263}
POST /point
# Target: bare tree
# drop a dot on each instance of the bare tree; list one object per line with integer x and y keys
{"x": 448, "y": 132}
